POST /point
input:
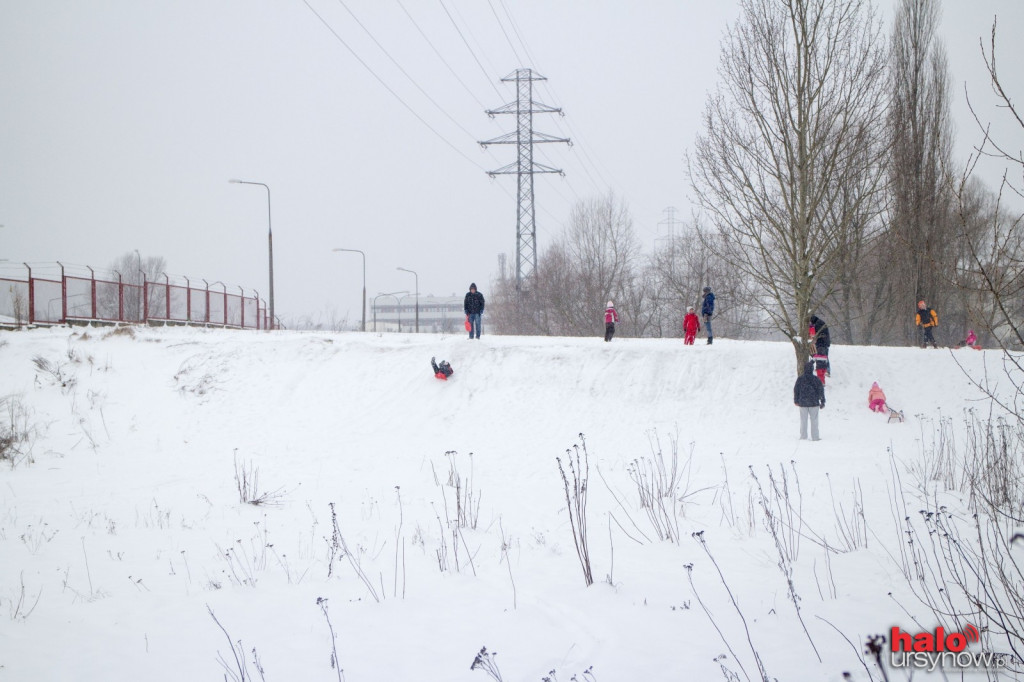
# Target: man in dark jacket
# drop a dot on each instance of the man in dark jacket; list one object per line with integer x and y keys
{"x": 474, "y": 307}
{"x": 707, "y": 309}
{"x": 822, "y": 340}
{"x": 809, "y": 396}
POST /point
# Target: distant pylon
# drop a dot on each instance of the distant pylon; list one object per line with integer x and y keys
{"x": 670, "y": 223}
{"x": 524, "y": 167}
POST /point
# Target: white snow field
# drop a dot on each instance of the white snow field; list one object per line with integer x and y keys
{"x": 124, "y": 528}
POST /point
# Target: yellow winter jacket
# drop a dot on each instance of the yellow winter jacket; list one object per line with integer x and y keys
{"x": 927, "y": 318}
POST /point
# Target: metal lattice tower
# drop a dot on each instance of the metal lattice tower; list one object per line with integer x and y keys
{"x": 524, "y": 167}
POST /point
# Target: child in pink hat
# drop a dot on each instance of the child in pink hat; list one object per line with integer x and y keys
{"x": 876, "y": 398}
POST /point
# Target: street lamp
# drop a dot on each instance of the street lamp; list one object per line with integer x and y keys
{"x": 417, "y": 297}
{"x": 400, "y": 308}
{"x": 393, "y": 295}
{"x": 270, "y": 245}
{"x": 364, "y": 281}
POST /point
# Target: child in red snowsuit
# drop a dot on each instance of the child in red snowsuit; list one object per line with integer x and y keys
{"x": 691, "y": 325}
{"x": 820, "y": 366}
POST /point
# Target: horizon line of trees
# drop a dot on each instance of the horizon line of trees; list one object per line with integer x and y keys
{"x": 826, "y": 184}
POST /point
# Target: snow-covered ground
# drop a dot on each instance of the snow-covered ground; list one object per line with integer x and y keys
{"x": 126, "y": 530}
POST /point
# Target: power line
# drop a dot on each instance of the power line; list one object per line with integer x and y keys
{"x": 468, "y": 47}
{"x": 440, "y": 56}
{"x": 388, "y": 88}
{"x": 404, "y": 72}
{"x": 519, "y": 59}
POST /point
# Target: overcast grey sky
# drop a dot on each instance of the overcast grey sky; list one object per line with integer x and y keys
{"x": 121, "y": 122}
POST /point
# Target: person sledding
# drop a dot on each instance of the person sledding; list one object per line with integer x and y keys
{"x": 442, "y": 371}
{"x": 691, "y": 325}
{"x": 971, "y": 341}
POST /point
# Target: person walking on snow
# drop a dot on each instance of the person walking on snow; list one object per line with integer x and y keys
{"x": 691, "y": 325}
{"x": 707, "y": 309}
{"x": 809, "y": 396}
{"x": 474, "y": 308}
{"x": 876, "y": 398}
{"x": 822, "y": 341}
{"x": 927, "y": 319}
{"x": 610, "y": 318}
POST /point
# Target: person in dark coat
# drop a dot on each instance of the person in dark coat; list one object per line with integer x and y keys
{"x": 707, "y": 309}
{"x": 474, "y": 308}
{"x": 441, "y": 371}
{"x": 822, "y": 340}
{"x": 928, "y": 320}
{"x": 809, "y": 396}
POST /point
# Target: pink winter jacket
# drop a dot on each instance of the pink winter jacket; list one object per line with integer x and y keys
{"x": 875, "y": 393}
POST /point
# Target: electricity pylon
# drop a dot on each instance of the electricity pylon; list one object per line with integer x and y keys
{"x": 524, "y": 166}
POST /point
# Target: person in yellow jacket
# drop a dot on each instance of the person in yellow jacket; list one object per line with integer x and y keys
{"x": 927, "y": 319}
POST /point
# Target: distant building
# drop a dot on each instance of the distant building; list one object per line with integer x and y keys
{"x": 438, "y": 314}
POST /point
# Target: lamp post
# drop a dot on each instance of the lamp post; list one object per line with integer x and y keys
{"x": 393, "y": 295}
{"x": 270, "y": 245}
{"x": 400, "y": 308}
{"x": 364, "y": 281}
{"x": 417, "y": 297}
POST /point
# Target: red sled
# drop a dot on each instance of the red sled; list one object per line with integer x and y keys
{"x": 469, "y": 327}
{"x": 441, "y": 376}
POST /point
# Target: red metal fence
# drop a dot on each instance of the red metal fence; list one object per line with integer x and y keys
{"x": 48, "y": 294}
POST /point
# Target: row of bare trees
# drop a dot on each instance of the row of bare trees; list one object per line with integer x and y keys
{"x": 826, "y": 185}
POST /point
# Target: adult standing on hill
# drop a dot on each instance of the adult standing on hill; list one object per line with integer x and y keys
{"x": 707, "y": 309}
{"x": 822, "y": 340}
{"x": 927, "y": 319}
{"x": 809, "y": 396}
{"x": 474, "y": 307}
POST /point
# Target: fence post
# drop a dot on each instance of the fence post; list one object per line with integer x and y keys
{"x": 63, "y": 296}
{"x": 31, "y": 296}
{"x": 256, "y": 300}
{"x": 145, "y": 299}
{"x": 241, "y": 306}
{"x": 225, "y": 303}
{"x": 92, "y": 292}
{"x": 207, "y": 315}
{"x": 167, "y": 296}
{"x": 188, "y": 301}
{"x": 120, "y": 298}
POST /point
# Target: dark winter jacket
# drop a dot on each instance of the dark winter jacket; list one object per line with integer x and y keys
{"x": 822, "y": 338}
{"x": 708, "y": 306}
{"x": 926, "y": 317}
{"x": 474, "y": 303}
{"x": 808, "y": 391}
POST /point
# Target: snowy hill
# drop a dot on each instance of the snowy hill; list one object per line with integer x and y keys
{"x": 126, "y": 526}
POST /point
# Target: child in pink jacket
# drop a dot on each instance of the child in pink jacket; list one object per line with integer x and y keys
{"x": 876, "y": 398}
{"x": 610, "y": 318}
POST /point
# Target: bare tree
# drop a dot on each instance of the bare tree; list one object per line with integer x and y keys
{"x": 991, "y": 266}
{"x": 801, "y": 83}
{"x": 683, "y": 265}
{"x": 921, "y": 139}
{"x": 134, "y": 270}
{"x": 594, "y": 260}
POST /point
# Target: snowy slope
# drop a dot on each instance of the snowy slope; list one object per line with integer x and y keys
{"x": 127, "y": 526}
